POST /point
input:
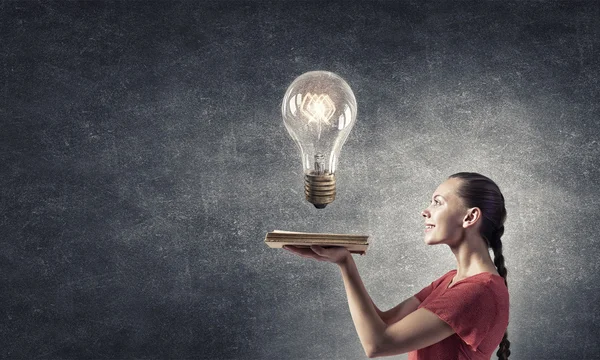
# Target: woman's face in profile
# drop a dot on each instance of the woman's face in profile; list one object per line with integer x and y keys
{"x": 445, "y": 214}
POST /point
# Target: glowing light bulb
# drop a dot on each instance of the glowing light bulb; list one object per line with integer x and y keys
{"x": 319, "y": 110}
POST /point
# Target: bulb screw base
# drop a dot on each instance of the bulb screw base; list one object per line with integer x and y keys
{"x": 319, "y": 189}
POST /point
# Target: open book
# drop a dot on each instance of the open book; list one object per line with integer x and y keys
{"x": 356, "y": 244}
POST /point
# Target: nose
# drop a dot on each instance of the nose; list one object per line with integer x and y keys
{"x": 425, "y": 213}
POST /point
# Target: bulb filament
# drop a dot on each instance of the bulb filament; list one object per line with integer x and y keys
{"x": 318, "y": 109}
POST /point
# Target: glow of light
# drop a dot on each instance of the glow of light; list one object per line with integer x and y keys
{"x": 317, "y": 108}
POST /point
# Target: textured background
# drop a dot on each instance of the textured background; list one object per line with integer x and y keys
{"x": 143, "y": 159}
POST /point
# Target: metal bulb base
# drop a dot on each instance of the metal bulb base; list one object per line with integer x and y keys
{"x": 319, "y": 189}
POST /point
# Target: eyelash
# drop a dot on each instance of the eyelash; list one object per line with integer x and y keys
{"x": 436, "y": 202}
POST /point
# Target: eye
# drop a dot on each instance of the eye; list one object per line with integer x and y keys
{"x": 436, "y": 202}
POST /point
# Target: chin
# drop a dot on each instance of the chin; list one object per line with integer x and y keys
{"x": 431, "y": 241}
{"x": 434, "y": 241}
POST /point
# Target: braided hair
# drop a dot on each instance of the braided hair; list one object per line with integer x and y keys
{"x": 479, "y": 191}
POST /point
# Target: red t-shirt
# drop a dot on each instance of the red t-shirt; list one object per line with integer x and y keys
{"x": 477, "y": 310}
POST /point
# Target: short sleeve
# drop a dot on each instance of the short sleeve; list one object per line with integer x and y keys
{"x": 469, "y": 308}
{"x": 426, "y": 291}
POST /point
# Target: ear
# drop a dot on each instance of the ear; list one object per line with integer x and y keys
{"x": 472, "y": 217}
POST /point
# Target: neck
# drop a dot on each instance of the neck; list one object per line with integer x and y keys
{"x": 472, "y": 256}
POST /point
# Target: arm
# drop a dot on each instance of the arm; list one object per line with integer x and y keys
{"x": 369, "y": 325}
{"x": 418, "y": 329}
{"x": 398, "y": 312}
{"x": 405, "y": 329}
{"x": 380, "y": 313}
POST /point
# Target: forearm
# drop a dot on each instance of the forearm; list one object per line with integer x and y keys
{"x": 380, "y": 313}
{"x": 367, "y": 321}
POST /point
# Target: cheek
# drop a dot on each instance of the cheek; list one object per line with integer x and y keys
{"x": 447, "y": 220}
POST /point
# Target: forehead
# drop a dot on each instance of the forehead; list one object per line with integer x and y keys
{"x": 448, "y": 189}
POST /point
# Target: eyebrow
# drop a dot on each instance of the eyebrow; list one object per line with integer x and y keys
{"x": 434, "y": 196}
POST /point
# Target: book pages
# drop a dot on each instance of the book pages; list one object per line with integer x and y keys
{"x": 357, "y": 244}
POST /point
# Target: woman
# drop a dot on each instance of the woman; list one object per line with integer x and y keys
{"x": 464, "y": 313}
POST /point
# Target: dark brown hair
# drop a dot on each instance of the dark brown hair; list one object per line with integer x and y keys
{"x": 479, "y": 191}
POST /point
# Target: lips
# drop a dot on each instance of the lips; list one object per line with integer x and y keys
{"x": 429, "y": 227}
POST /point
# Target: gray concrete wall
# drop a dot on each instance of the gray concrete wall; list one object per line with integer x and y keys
{"x": 144, "y": 158}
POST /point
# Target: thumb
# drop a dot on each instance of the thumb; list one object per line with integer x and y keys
{"x": 317, "y": 249}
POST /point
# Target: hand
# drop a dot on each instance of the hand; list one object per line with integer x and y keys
{"x": 334, "y": 254}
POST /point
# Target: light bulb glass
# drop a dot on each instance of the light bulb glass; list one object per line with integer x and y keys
{"x": 319, "y": 110}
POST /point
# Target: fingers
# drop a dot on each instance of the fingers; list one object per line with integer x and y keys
{"x": 297, "y": 250}
{"x": 316, "y": 248}
{"x": 304, "y": 252}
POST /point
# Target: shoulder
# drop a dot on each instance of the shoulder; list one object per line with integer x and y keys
{"x": 450, "y": 273}
{"x": 443, "y": 278}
